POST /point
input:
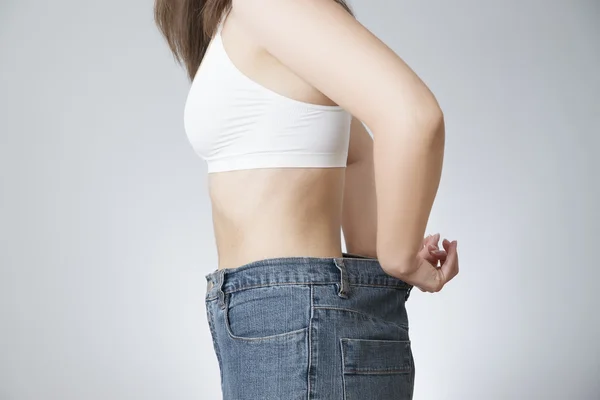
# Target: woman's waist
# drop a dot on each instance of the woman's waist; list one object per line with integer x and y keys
{"x": 248, "y": 243}
{"x": 247, "y": 233}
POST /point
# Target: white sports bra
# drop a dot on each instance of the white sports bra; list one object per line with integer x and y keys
{"x": 235, "y": 123}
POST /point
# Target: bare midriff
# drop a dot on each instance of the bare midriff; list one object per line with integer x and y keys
{"x": 276, "y": 212}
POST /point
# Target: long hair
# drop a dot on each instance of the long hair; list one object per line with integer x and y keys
{"x": 189, "y": 25}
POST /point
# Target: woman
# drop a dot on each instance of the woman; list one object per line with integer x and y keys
{"x": 280, "y": 89}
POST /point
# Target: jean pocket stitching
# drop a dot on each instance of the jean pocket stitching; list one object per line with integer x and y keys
{"x": 365, "y": 315}
{"x": 230, "y": 333}
{"x": 389, "y": 360}
{"x": 354, "y": 361}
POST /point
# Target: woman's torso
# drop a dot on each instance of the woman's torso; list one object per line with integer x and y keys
{"x": 274, "y": 212}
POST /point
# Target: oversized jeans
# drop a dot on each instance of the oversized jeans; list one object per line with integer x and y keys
{"x": 309, "y": 328}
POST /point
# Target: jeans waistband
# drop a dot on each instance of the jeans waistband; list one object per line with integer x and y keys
{"x": 347, "y": 270}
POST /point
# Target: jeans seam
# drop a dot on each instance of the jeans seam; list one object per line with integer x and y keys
{"x": 363, "y": 314}
{"x": 382, "y": 372}
{"x": 214, "y": 339}
{"x": 380, "y": 286}
{"x": 309, "y": 369}
{"x": 342, "y": 369}
{"x": 413, "y": 372}
{"x": 246, "y": 287}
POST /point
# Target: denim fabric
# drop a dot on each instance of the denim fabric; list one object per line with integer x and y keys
{"x": 311, "y": 328}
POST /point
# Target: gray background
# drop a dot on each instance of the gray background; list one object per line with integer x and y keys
{"x": 105, "y": 226}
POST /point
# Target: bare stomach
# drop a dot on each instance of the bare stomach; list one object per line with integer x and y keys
{"x": 276, "y": 212}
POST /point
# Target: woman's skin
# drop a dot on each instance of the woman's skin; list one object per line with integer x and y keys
{"x": 279, "y": 212}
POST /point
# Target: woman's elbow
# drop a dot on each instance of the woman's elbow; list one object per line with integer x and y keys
{"x": 409, "y": 118}
{"x": 430, "y": 121}
{"x": 438, "y": 128}
{"x": 421, "y": 123}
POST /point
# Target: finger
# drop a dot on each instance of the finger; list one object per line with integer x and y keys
{"x": 431, "y": 239}
{"x": 431, "y": 259}
{"x": 450, "y": 267}
{"x": 427, "y": 256}
{"x": 436, "y": 256}
{"x": 424, "y": 252}
{"x": 433, "y": 254}
{"x": 440, "y": 255}
{"x": 445, "y": 244}
{"x": 426, "y": 240}
{"x": 435, "y": 239}
{"x": 427, "y": 249}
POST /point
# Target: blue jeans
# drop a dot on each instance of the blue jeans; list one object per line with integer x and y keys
{"x": 311, "y": 328}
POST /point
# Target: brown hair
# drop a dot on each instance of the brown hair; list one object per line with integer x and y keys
{"x": 188, "y": 26}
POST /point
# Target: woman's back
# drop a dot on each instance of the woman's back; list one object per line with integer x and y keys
{"x": 274, "y": 211}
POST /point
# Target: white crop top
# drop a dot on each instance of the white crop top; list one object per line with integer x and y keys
{"x": 235, "y": 123}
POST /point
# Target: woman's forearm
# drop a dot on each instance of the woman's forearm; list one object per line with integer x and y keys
{"x": 408, "y": 166}
{"x": 359, "y": 213}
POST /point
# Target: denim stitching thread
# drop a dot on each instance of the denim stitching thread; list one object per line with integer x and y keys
{"x": 405, "y": 328}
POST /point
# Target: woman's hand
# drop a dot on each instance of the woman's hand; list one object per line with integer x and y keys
{"x": 425, "y": 273}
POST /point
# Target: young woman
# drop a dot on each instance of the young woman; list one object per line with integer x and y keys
{"x": 280, "y": 91}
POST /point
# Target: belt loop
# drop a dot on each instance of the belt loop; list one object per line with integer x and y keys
{"x": 220, "y": 278}
{"x": 344, "y": 285}
{"x": 209, "y": 283}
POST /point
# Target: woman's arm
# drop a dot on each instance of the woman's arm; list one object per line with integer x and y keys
{"x": 359, "y": 219}
{"x": 332, "y": 51}
{"x": 359, "y": 212}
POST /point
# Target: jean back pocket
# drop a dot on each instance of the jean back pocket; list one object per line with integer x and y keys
{"x": 377, "y": 369}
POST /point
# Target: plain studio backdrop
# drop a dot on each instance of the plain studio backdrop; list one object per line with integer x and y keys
{"x": 105, "y": 224}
